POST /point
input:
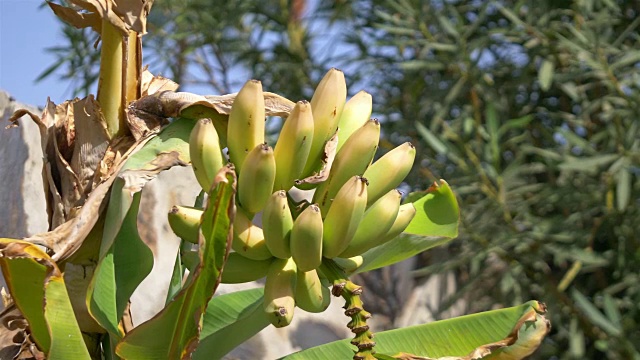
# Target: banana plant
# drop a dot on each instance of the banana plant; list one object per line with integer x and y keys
{"x": 70, "y": 288}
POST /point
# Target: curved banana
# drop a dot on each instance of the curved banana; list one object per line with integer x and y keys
{"x": 248, "y": 239}
{"x": 306, "y": 238}
{"x": 311, "y": 294}
{"x": 205, "y": 152}
{"x": 256, "y": 181}
{"x": 239, "y": 269}
{"x": 185, "y": 222}
{"x": 389, "y": 171}
{"x": 356, "y": 112}
{"x": 246, "y": 123}
{"x": 376, "y": 222}
{"x": 405, "y": 215}
{"x": 349, "y": 265}
{"x": 293, "y": 146}
{"x": 327, "y": 103}
{"x": 277, "y": 223}
{"x": 353, "y": 159}
{"x": 344, "y": 216}
{"x": 279, "y": 292}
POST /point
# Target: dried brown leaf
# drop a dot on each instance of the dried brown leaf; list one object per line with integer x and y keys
{"x": 77, "y": 19}
{"x": 329, "y": 155}
{"x": 171, "y": 104}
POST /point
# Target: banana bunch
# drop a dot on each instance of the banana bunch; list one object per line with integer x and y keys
{"x": 355, "y": 207}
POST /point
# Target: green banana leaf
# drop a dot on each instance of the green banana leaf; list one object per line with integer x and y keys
{"x": 174, "y": 332}
{"x": 435, "y": 223}
{"x": 39, "y": 292}
{"x": 230, "y": 320}
{"x": 125, "y": 260}
{"x": 511, "y": 333}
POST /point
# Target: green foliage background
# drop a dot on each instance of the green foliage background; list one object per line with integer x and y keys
{"x": 529, "y": 109}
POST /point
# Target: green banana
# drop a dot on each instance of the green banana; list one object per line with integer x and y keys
{"x": 205, "y": 152}
{"x": 279, "y": 292}
{"x": 256, "y": 181}
{"x": 344, "y": 216}
{"x": 293, "y": 146}
{"x": 277, "y": 223}
{"x": 306, "y": 238}
{"x": 246, "y": 125}
{"x": 327, "y": 103}
{"x": 405, "y": 215}
{"x": 248, "y": 239}
{"x": 353, "y": 159}
{"x": 185, "y": 222}
{"x": 239, "y": 269}
{"x": 388, "y": 172}
{"x": 311, "y": 294}
{"x": 376, "y": 222}
{"x": 356, "y": 112}
{"x": 349, "y": 265}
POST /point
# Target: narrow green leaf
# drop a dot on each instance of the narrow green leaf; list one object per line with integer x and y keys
{"x": 174, "y": 332}
{"x": 623, "y": 189}
{"x": 511, "y": 333}
{"x": 594, "y": 315}
{"x": 588, "y": 164}
{"x": 435, "y": 143}
{"x": 230, "y": 320}
{"x": 38, "y": 289}
{"x": 545, "y": 74}
{"x": 493, "y": 124}
{"x": 435, "y": 223}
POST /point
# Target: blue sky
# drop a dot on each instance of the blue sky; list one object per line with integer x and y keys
{"x": 25, "y": 31}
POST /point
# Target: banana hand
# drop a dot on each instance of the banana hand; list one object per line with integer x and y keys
{"x": 344, "y": 216}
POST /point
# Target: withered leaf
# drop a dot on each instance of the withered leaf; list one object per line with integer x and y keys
{"x": 329, "y": 155}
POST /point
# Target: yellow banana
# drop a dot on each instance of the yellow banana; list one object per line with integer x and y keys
{"x": 248, "y": 239}
{"x": 246, "y": 123}
{"x": 389, "y": 171}
{"x": 185, "y": 222}
{"x": 376, "y": 222}
{"x": 356, "y": 112}
{"x": 306, "y": 238}
{"x": 344, "y": 216}
{"x": 279, "y": 292}
{"x": 239, "y": 269}
{"x": 349, "y": 265}
{"x": 277, "y": 223}
{"x": 205, "y": 152}
{"x": 327, "y": 103}
{"x": 256, "y": 180}
{"x": 405, "y": 215}
{"x": 293, "y": 146}
{"x": 311, "y": 294}
{"x": 353, "y": 159}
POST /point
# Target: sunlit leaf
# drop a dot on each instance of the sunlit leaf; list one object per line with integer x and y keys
{"x": 39, "y": 291}
{"x": 174, "y": 332}
{"x": 435, "y": 223}
{"x": 511, "y": 333}
{"x": 230, "y": 320}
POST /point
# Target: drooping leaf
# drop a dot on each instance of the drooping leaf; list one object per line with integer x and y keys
{"x": 174, "y": 332}
{"x": 38, "y": 289}
{"x": 124, "y": 258}
{"x": 511, "y": 333}
{"x": 435, "y": 223}
{"x": 230, "y": 320}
